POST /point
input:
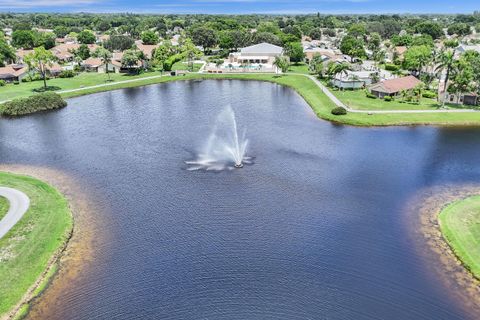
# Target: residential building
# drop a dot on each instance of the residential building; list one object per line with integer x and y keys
{"x": 13, "y": 72}
{"x": 393, "y": 87}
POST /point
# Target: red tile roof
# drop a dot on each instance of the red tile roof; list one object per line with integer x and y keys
{"x": 396, "y": 85}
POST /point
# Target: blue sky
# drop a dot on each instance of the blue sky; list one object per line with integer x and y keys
{"x": 243, "y": 6}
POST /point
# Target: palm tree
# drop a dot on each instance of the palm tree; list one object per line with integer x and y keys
{"x": 106, "y": 57}
{"x": 446, "y": 62}
{"x": 342, "y": 69}
{"x": 281, "y": 63}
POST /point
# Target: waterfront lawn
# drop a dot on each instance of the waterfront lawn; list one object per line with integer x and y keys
{"x": 184, "y": 66}
{"x": 85, "y": 79}
{"x": 357, "y": 99}
{"x": 4, "y": 205}
{"x": 27, "y": 250}
{"x": 460, "y": 225}
{"x": 299, "y": 68}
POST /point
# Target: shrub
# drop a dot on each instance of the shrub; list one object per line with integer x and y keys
{"x": 339, "y": 111}
{"x": 370, "y": 95}
{"x": 35, "y": 103}
{"x": 388, "y": 98}
{"x": 429, "y": 94}
{"x": 391, "y": 67}
{"x": 16, "y": 82}
{"x": 67, "y": 74}
{"x": 2, "y": 83}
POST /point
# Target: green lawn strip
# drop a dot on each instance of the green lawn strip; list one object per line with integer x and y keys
{"x": 184, "y": 66}
{"x": 85, "y": 79}
{"x": 460, "y": 225}
{"x": 319, "y": 102}
{"x": 299, "y": 68}
{"x": 4, "y": 205}
{"x": 27, "y": 249}
{"x": 356, "y": 99}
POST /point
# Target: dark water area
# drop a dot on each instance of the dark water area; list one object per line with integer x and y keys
{"x": 314, "y": 229}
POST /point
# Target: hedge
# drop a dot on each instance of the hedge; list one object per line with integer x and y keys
{"x": 38, "y": 102}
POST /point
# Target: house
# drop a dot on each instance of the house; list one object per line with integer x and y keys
{"x": 54, "y": 70}
{"x": 117, "y": 63}
{"x": 399, "y": 52}
{"x": 262, "y": 53}
{"x": 21, "y": 53}
{"x": 13, "y": 72}
{"x": 393, "y": 87}
{"x": 64, "y": 52}
{"x": 147, "y": 49}
{"x": 96, "y": 65}
{"x": 354, "y": 79}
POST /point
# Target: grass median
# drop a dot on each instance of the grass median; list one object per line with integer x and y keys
{"x": 29, "y": 250}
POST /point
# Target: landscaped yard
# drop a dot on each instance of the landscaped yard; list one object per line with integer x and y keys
{"x": 25, "y": 89}
{"x": 356, "y": 99}
{"x": 460, "y": 225}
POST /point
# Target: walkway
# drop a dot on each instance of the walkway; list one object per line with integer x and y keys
{"x": 19, "y": 204}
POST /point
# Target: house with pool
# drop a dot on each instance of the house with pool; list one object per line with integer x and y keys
{"x": 257, "y": 58}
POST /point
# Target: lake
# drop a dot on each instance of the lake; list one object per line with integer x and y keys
{"x": 314, "y": 229}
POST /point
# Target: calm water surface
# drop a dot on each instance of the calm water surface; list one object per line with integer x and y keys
{"x": 313, "y": 230}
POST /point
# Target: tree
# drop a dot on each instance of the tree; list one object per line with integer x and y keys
{"x": 357, "y": 30}
{"x": 161, "y": 55}
{"x": 460, "y": 29}
{"x": 416, "y": 58}
{"x": 282, "y": 63}
{"x": 431, "y": 28}
{"x": 60, "y": 31}
{"x": 23, "y": 39}
{"x": 374, "y": 41}
{"x": 353, "y": 47}
{"x": 149, "y": 37}
{"x": 189, "y": 51}
{"x": 316, "y": 65}
{"x": 86, "y": 37}
{"x": 260, "y": 37}
{"x": 462, "y": 79}
{"x": 106, "y": 57}
{"x": 339, "y": 68}
{"x": 204, "y": 37}
{"x": 446, "y": 62}
{"x": 295, "y": 51}
{"x": 316, "y": 34}
{"x": 130, "y": 58}
{"x": 45, "y": 39}
{"x": 41, "y": 59}
{"x": 83, "y": 52}
{"x": 119, "y": 42}
{"x": 7, "y": 53}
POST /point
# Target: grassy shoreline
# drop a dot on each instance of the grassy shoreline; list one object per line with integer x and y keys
{"x": 312, "y": 94}
{"x": 317, "y": 100}
{"x": 30, "y": 251}
{"x": 460, "y": 226}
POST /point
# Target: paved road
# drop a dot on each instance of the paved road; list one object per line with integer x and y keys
{"x": 19, "y": 204}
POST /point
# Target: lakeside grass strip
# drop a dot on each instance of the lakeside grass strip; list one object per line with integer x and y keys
{"x": 460, "y": 226}
{"x": 317, "y": 100}
{"x": 26, "y": 251}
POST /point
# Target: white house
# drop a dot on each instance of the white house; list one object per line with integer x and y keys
{"x": 354, "y": 79}
{"x": 262, "y": 53}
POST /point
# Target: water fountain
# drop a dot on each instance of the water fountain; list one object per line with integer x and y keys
{"x": 224, "y": 147}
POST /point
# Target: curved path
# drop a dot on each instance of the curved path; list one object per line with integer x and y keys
{"x": 19, "y": 204}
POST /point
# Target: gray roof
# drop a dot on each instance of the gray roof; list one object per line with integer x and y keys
{"x": 262, "y": 48}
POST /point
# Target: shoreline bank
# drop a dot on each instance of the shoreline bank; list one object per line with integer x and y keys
{"x": 439, "y": 259}
{"x": 70, "y": 260}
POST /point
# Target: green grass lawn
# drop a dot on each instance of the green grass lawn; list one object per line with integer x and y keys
{"x": 184, "y": 66}
{"x": 29, "y": 246}
{"x": 460, "y": 225}
{"x": 299, "y": 68}
{"x": 25, "y": 89}
{"x": 4, "y": 205}
{"x": 319, "y": 102}
{"x": 356, "y": 99}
